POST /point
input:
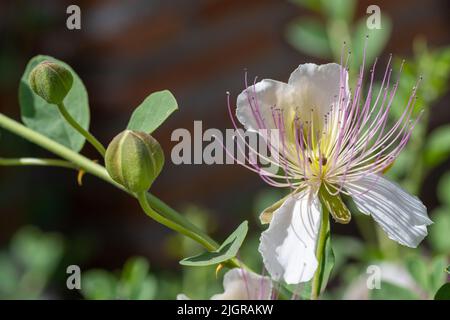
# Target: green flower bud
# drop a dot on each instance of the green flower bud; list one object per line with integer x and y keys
{"x": 50, "y": 81}
{"x": 134, "y": 159}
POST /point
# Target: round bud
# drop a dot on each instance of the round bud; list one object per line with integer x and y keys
{"x": 50, "y": 81}
{"x": 134, "y": 159}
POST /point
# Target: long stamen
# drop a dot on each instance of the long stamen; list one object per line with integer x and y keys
{"x": 352, "y": 140}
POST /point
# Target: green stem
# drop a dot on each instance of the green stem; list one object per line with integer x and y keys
{"x": 99, "y": 171}
{"x": 142, "y": 198}
{"x": 320, "y": 254}
{"x": 36, "y": 162}
{"x": 54, "y": 147}
{"x": 167, "y": 216}
{"x": 89, "y": 137}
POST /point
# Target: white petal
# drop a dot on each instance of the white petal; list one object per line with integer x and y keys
{"x": 288, "y": 246}
{"x": 402, "y": 216}
{"x": 317, "y": 88}
{"x": 254, "y": 104}
{"x": 182, "y": 296}
{"x": 242, "y": 284}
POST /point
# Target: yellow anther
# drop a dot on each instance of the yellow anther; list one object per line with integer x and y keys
{"x": 219, "y": 267}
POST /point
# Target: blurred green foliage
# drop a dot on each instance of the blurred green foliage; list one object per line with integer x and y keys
{"x": 333, "y": 23}
{"x": 426, "y": 150}
{"x": 322, "y": 35}
{"x": 29, "y": 263}
{"x": 133, "y": 282}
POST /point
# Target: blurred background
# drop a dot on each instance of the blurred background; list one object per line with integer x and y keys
{"x": 199, "y": 50}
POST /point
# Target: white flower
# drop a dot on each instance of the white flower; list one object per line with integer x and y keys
{"x": 240, "y": 284}
{"x": 331, "y": 143}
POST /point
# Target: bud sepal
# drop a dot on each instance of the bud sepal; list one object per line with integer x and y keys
{"x": 134, "y": 159}
{"x": 51, "y": 81}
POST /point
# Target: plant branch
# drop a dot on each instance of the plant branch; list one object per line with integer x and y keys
{"x": 99, "y": 171}
{"x": 37, "y": 162}
{"x": 142, "y": 198}
{"x": 89, "y": 137}
{"x": 320, "y": 254}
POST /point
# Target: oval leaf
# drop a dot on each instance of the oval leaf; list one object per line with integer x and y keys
{"x": 227, "y": 250}
{"x": 98, "y": 284}
{"x": 377, "y": 41}
{"x": 443, "y": 293}
{"x": 45, "y": 118}
{"x": 339, "y": 9}
{"x": 419, "y": 270}
{"x": 153, "y": 111}
{"x": 309, "y": 36}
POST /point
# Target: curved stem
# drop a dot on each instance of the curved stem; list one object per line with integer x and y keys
{"x": 320, "y": 254}
{"x": 56, "y": 148}
{"x": 37, "y": 162}
{"x": 98, "y": 171}
{"x": 142, "y": 198}
{"x": 89, "y": 137}
{"x": 169, "y": 212}
{"x": 167, "y": 215}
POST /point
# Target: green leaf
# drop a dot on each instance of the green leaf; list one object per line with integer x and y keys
{"x": 390, "y": 291}
{"x": 327, "y": 262}
{"x": 309, "y": 36}
{"x": 437, "y": 147}
{"x": 309, "y": 4}
{"x": 135, "y": 282}
{"x": 98, "y": 285}
{"x": 376, "y": 42}
{"x": 37, "y": 251}
{"x": 45, "y": 118}
{"x": 226, "y": 251}
{"x": 438, "y": 238}
{"x": 339, "y": 9}
{"x": 153, "y": 111}
{"x": 345, "y": 248}
{"x": 434, "y": 66}
{"x": 443, "y": 191}
{"x": 438, "y": 274}
{"x": 298, "y": 291}
{"x": 419, "y": 271}
{"x": 443, "y": 293}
